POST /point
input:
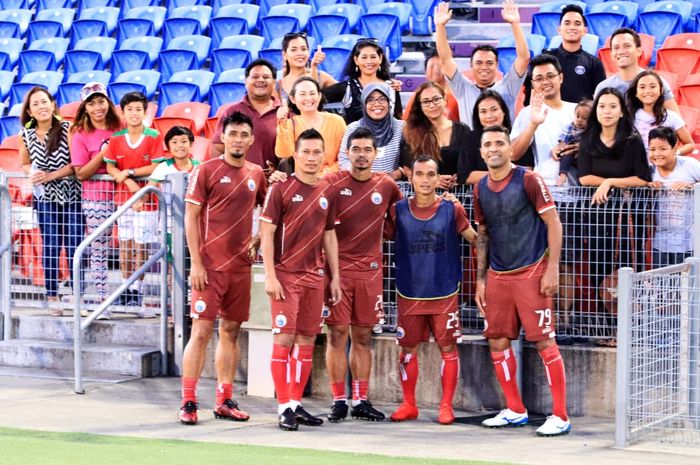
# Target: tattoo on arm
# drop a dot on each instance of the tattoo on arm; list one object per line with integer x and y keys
{"x": 482, "y": 253}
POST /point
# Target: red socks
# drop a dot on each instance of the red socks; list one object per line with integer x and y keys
{"x": 338, "y": 391}
{"x": 302, "y": 361}
{"x": 408, "y": 365}
{"x": 279, "y": 365}
{"x": 556, "y": 377}
{"x": 359, "y": 389}
{"x": 505, "y": 365}
{"x": 223, "y": 391}
{"x": 189, "y": 390}
{"x": 449, "y": 370}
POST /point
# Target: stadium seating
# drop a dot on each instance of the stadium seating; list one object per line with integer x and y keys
{"x": 155, "y": 14}
{"x": 5, "y": 62}
{"x": 386, "y": 29}
{"x": 48, "y": 79}
{"x": 201, "y": 148}
{"x": 545, "y": 23}
{"x": 627, "y": 8}
{"x": 9, "y": 126}
{"x": 346, "y": 41}
{"x": 10, "y": 142}
{"x": 682, "y": 8}
{"x": 603, "y": 24}
{"x": 52, "y": 4}
{"x": 108, "y": 15}
{"x": 12, "y": 47}
{"x": 222, "y": 93}
{"x": 322, "y": 26}
{"x": 36, "y": 60}
{"x": 201, "y": 78}
{"x": 9, "y": 30}
{"x": 178, "y": 27}
{"x": 691, "y": 116}
{"x": 249, "y": 12}
{"x": 70, "y": 91}
{"x": 6, "y": 79}
{"x": 130, "y": 28}
{"x": 201, "y": 13}
{"x": 689, "y": 91}
{"x": 507, "y": 52}
{"x": 56, "y": 45}
{"x": 401, "y": 10}
{"x": 680, "y": 54}
{"x": 14, "y": 4}
{"x": 671, "y": 78}
{"x": 127, "y": 5}
{"x": 172, "y": 61}
{"x": 20, "y": 17}
{"x": 150, "y": 45}
{"x": 44, "y": 30}
{"x": 85, "y": 28}
{"x": 104, "y": 46}
{"x": 334, "y": 63}
{"x": 273, "y": 27}
{"x": 69, "y": 110}
{"x": 147, "y": 78}
{"x": 659, "y": 24}
{"x": 194, "y": 112}
{"x": 200, "y": 45}
{"x": 422, "y": 16}
{"x": 351, "y": 11}
{"x": 65, "y": 16}
{"x": 226, "y": 27}
{"x": 265, "y": 5}
{"x": 557, "y": 6}
{"x": 250, "y": 43}
{"x": 172, "y": 5}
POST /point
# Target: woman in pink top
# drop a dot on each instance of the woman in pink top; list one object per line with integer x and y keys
{"x": 95, "y": 122}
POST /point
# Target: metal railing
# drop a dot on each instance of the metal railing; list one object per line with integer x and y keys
{"x": 160, "y": 254}
{"x": 5, "y": 255}
{"x": 658, "y": 355}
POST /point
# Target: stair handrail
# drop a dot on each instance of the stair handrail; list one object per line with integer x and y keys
{"x": 5, "y": 255}
{"x": 80, "y": 325}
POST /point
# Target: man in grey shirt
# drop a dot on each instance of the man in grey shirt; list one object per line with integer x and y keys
{"x": 626, "y": 48}
{"x": 484, "y": 62}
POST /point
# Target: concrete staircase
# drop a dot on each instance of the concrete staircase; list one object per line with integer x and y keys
{"x": 120, "y": 349}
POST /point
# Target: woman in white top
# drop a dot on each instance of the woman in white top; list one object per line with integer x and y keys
{"x": 646, "y": 103}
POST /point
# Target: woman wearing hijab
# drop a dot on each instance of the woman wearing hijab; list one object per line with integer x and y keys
{"x": 388, "y": 130}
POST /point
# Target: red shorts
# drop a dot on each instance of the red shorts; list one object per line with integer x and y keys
{"x": 227, "y": 295}
{"x": 300, "y": 312}
{"x": 360, "y": 303}
{"x": 415, "y": 325}
{"x": 513, "y": 300}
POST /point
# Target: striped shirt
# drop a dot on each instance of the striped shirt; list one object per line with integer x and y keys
{"x": 387, "y": 156}
{"x": 62, "y": 190}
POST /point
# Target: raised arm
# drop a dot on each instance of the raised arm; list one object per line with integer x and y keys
{"x": 442, "y": 16}
{"x": 511, "y": 15}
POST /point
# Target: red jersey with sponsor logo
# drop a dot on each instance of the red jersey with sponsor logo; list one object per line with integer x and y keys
{"x": 361, "y": 207}
{"x": 302, "y": 213}
{"x": 228, "y": 195}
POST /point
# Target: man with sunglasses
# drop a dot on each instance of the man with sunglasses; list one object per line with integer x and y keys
{"x": 484, "y": 63}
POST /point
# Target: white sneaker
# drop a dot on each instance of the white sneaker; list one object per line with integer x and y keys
{"x": 554, "y": 426}
{"x": 506, "y": 417}
{"x": 145, "y": 312}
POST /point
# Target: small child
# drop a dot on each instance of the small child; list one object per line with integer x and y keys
{"x": 133, "y": 153}
{"x": 572, "y": 135}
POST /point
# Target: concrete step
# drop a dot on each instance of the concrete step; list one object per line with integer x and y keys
{"x": 139, "y": 361}
{"x": 121, "y": 329}
{"x": 45, "y": 373}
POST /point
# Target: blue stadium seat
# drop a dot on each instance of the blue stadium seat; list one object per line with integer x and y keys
{"x": 148, "y": 78}
{"x": 48, "y": 79}
{"x": 116, "y": 90}
{"x": 127, "y": 5}
{"x": 148, "y": 44}
{"x": 316, "y": 5}
{"x": 155, "y": 14}
{"x": 226, "y": 27}
{"x": 172, "y": 5}
{"x": 227, "y": 58}
{"x": 402, "y": 10}
{"x": 51, "y": 4}
{"x": 102, "y": 45}
{"x": 21, "y": 17}
{"x": 249, "y": 42}
{"x": 134, "y": 27}
{"x": 9, "y": 30}
{"x": 177, "y": 92}
{"x": 297, "y": 10}
{"x": 277, "y": 26}
{"x": 603, "y": 24}
{"x": 176, "y": 27}
{"x": 5, "y": 62}
{"x": 682, "y": 8}
{"x": 627, "y": 8}
{"x": 84, "y": 28}
{"x": 232, "y": 75}
{"x": 350, "y": 10}
{"x": 222, "y": 93}
{"x": 129, "y": 60}
{"x": 322, "y": 26}
{"x": 273, "y": 55}
{"x": 110, "y": 16}
{"x": 535, "y": 43}
{"x": 36, "y": 60}
{"x": 9, "y": 126}
{"x": 15, "y": 110}
{"x": 659, "y": 24}
{"x": 12, "y": 47}
{"x": 218, "y": 4}
{"x": 85, "y": 4}
{"x": 201, "y": 13}
{"x": 199, "y": 44}
{"x": 6, "y": 79}
{"x": 545, "y": 24}
{"x": 84, "y": 77}
{"x": 422, "y": 16}
{"x": 172, "y": 61}
{"x": 201, "y": 78}
{"x": 589, "y": 42}
{"x": 57, "y": 45}
{"x": 14, "y": 5}
{"x": 65, "y": 16}
{"x": 386, "y": 29}
{"x": 335, "y": 61}
{"x": 249, "y": 12}
{"x": 265, "y": 5}
{"x": 558, "y": 5}
{"x": 346, "y": 41}
{"x": 90, "y": 53}
{"x": 44, "y": 30}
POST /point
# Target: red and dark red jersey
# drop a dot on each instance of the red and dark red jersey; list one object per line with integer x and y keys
{"x": 302, "y": 214}
{"x": 228, "y": 195}
{"x": 361, "y": 208}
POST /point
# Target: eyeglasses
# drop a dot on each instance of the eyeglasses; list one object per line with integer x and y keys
{"x": 366, "y": 41}
{"x": 433, "y": 101}
{"x": 294, "y": 35}
{"x": 377, "y": 100}
{"x": 547, "y": 77}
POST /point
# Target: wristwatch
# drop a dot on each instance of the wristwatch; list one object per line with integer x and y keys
{"x": 131, "y": 172}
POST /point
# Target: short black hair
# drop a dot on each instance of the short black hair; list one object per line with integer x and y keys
{"x": 308, "y": 134}
{"x": 423, "y": 159}
{"x": 429, "y": 53}
{"x": 361, "y": 133}
{"x": 131, "y": 97}
{"x": 664, "y": 133}
{"x": 545, "y": 59}
{"x": 573, "y": 8}
{"x": 627, "y": 30}
{"x": 496, "y": 128}
{"x": 261, "y": 62}
{"x": 178, "y": 131}
{"x": 484, "y": 48}
{"x": 237, "y": 118}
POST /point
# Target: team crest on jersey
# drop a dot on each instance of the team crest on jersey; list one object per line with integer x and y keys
{"x": 325, "y": 312}
{"x": 225, "y": 180}
{"x": 251, "y": 184}
{"x": 297, "y": 198}
{"x": 580, "y": 70}
{"x": 321, "y": 272}
{"x": 200, "y": 306}
{"x": 400, "y": 333}
{"x": 346, "y": 191}
{"x": 376, "y": 198}
{"x": 280, "y": 321}
{"x": 323, "y": 202}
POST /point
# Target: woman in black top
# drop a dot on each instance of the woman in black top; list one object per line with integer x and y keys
{"x": 428, "y": 131}
{"x": 612, "y": 157}
{"x": 367, "y": 64}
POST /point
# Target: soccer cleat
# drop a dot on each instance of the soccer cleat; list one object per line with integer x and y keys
{"x": 288, "y": 421}
{"x": 506, "y": 417}
{"x": 405, "y": 412}
{"x": 554, "y": 426}
{"x": 365, "y": 411}
{"x": 305, "y": 418}
{"x": 446, "y": 415}
{"x": 229, "y": 411}
{"x": 188, "y": 413}
{"x": 339, "y": 412}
